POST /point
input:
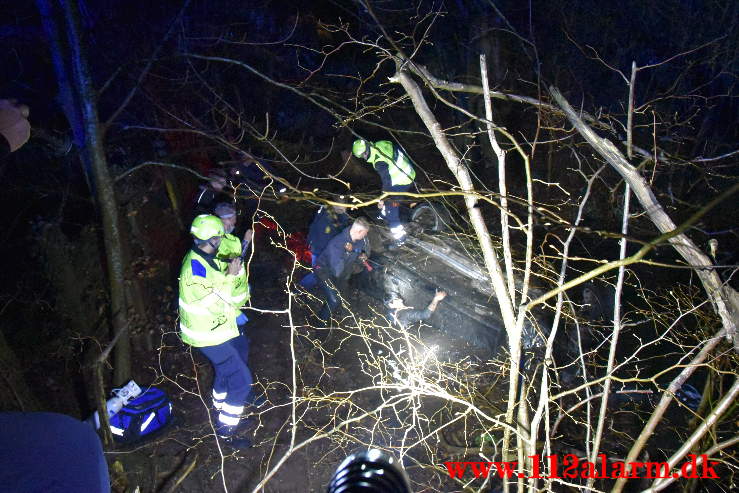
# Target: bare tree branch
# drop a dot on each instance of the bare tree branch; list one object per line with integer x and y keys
{"x": 725, "y": 299}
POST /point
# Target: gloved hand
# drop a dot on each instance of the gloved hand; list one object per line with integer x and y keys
{"x": 234, "y": 266}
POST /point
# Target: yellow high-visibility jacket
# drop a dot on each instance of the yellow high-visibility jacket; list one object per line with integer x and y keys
{"x": 209, "y": 300}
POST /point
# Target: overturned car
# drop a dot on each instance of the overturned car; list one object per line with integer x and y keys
{"x": 434, "y": 258}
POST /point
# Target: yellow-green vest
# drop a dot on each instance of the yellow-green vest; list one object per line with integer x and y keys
{"x": 399, "y": 166}
{"x": 229, "y": 248}
{"x": 209, "y": 301}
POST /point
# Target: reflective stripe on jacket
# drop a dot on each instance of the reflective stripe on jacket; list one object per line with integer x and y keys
{"x": 399, "y": 165}
{"x": 209, "y": 300}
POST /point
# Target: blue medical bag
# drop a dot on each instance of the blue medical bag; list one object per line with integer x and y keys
{"x": 148, "y": 413}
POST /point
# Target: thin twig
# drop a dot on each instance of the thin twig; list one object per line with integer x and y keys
{"x": 614, "y": 335}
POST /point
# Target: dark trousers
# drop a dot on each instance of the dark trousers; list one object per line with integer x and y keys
{"x": 232, "y": 375}
{"x": 331, "y": 297}
{"x": 392, "y": 212}
{"x": 310, "y": 281}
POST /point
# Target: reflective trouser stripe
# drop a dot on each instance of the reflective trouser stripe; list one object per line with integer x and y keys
{"x": 231, "y": 409}
{"x": 228, "y": 420}
{"x": 230, "y": 414}
{"x": 218, "y": 398}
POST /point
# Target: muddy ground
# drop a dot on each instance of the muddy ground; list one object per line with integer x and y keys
{"x": 186, "y": 457}
{"x": 327, "y": 361}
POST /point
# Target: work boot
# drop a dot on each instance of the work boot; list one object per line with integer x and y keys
{"x": 232, "y": 439}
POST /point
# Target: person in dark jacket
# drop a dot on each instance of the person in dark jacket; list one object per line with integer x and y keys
{"x": 337, "y": 261}
{"x": 50, "y": 453}
{"x": 327, "y": 223}
{"x": 403, "y": 315}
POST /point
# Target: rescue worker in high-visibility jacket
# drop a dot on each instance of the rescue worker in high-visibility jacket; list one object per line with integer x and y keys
{"x": 211, "y": 294}
{"x": 397, "y": 174}
{"x": 231, "y": 247}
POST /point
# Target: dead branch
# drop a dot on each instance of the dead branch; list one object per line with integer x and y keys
{"x": 724, "y": 298}
{"x": 492, "y": 263}
{"x": 614, "y": 336}
{"x": 180, "y": 475}
{"x": 713, "y": 417}
{"x": 500, "y": 155}
{"x": 699, "y": 460}
{"x": 666, "y": 399}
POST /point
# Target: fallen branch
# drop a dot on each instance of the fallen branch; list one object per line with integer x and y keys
{"x": 665, "y": 401}
{"x": 180, "y": 476}
{"x": 699, "y": 460}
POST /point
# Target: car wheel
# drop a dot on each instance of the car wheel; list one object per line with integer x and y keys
{"x": 432, "y": 217}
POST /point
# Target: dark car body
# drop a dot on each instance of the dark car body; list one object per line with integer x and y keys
{"x": 433, "y": 259}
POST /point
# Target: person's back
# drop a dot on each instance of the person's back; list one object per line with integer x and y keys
{"x": 50, "y": 453}
{"x": 340, "y": 252}
{"x": 327, "y": 223}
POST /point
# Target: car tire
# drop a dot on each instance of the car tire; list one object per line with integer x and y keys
{"x": 432, "y": 217}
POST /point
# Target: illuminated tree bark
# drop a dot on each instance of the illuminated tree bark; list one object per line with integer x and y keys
{"x": 80, "y": 106}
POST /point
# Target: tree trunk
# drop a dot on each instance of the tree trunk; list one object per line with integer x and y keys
{"x": 490, "y": 257}
{"x": 723, "y": 297}
{"x": 15, "y": 392}
{"x": 62, "y": 27}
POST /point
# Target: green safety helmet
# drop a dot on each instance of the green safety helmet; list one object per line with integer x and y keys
{"x": 206, "y": 226}
{"x": 359, "y": 147}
